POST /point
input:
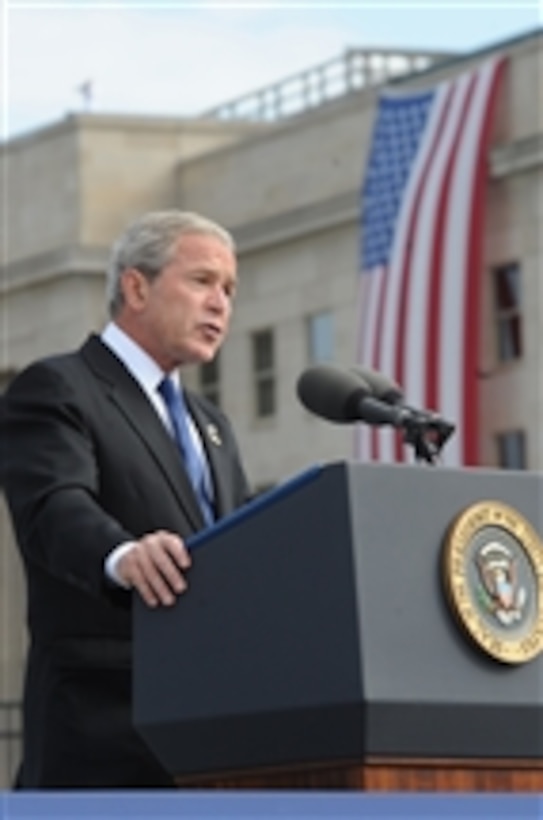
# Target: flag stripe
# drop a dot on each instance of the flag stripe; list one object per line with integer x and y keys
{"x": 416, "y": 343}
{"x": 435, "y": 307}
{"x": 408, "y": 276}
{"x": 455, "y": 272}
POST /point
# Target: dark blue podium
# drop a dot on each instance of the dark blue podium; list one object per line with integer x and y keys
{"x": 315, "y": 645}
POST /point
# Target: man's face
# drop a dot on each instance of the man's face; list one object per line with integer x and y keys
{"x": 183, "y": 315}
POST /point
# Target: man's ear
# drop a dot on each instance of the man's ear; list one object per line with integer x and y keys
{"x": 135, "y": 288}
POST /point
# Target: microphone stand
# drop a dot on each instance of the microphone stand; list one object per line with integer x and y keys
{"x": 427, "y": 433}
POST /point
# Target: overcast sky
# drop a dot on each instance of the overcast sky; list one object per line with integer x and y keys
{"x": 178, "y": 58}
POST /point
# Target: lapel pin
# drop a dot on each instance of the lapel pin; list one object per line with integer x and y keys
{"x": 214, "y": 434}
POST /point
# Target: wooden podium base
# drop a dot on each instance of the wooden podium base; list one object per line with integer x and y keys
{"x": 386, "y": 775}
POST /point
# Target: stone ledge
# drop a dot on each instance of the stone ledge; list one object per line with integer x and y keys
{"x": 517, "y": 157}
{"x": 293, "y": 224}
{"x": 54, "y": 264}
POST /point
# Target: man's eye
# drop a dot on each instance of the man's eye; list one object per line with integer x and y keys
{"x": 230, "y": 290}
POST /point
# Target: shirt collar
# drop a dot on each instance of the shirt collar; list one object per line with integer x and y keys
{"x": 142, "y": 367}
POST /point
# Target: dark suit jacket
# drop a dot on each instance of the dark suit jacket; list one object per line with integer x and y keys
{"x": 88, "y": 465}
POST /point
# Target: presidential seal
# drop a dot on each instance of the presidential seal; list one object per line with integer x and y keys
{"x": 493, "y": 573}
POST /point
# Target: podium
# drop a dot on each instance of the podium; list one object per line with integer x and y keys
{"x": 316, "y": 646}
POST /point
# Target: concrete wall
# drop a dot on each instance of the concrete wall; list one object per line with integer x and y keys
{"x": 39, "y": 180}
{"x": 127, "y": 166}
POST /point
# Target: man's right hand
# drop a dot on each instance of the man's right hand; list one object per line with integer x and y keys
{"x": 155, "y": 566}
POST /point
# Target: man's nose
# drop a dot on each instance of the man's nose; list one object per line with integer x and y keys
{"x": 218, "y": 299}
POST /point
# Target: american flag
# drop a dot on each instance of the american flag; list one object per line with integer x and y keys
{"x": 422, "y": 227}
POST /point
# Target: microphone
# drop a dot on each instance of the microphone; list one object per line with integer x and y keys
{"x": 345, "y": 397}
{"x": 425, "y": 430}
{"x": 360, "y": 394}
{"x": 382, "y": 387}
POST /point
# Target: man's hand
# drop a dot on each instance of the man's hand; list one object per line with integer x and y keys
{"x": 154, "y": 566}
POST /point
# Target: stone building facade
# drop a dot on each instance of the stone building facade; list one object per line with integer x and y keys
{"x": 288, "y": 189}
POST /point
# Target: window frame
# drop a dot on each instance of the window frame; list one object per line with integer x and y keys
{"x": 264, "y": 377}
{"x": 508, "y": 319}
{"x": 311, "y": 333}
{"x": 516, "y": 440}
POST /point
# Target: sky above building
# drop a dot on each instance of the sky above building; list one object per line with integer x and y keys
{"x": 181, "y": 58}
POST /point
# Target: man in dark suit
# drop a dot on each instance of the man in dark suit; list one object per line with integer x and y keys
{"x": 101, "y": 496}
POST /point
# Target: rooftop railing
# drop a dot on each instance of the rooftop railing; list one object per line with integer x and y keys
{"x": 355, "y": 69}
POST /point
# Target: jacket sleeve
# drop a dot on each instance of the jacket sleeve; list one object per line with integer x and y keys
{"x": 49, "y": 474}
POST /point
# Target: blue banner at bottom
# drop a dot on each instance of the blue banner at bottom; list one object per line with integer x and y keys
{"x": 267, "y": 806}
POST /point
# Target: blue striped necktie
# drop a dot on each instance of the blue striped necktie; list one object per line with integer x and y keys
{"x": 177, "y": 411}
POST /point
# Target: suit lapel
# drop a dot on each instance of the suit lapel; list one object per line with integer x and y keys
{"x": 132, "y": 403}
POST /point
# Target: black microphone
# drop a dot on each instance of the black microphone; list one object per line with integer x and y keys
{"x": 425, "y": 430}
{"x": 365, "y": 395}
{"x": 382, "y": 387}
{"x": 390, "y": 392}
{"x": 345, "y": 397}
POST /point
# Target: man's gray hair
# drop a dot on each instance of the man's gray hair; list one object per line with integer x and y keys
{"x": 148, "y": 244}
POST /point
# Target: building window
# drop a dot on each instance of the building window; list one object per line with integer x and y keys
{"x": 512, "y": 450}
{"x": 507, "y": 301}
{"x": 264, "y": 373}
{"x": 320, "y": 337}
{"x": 210, "y": 380}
